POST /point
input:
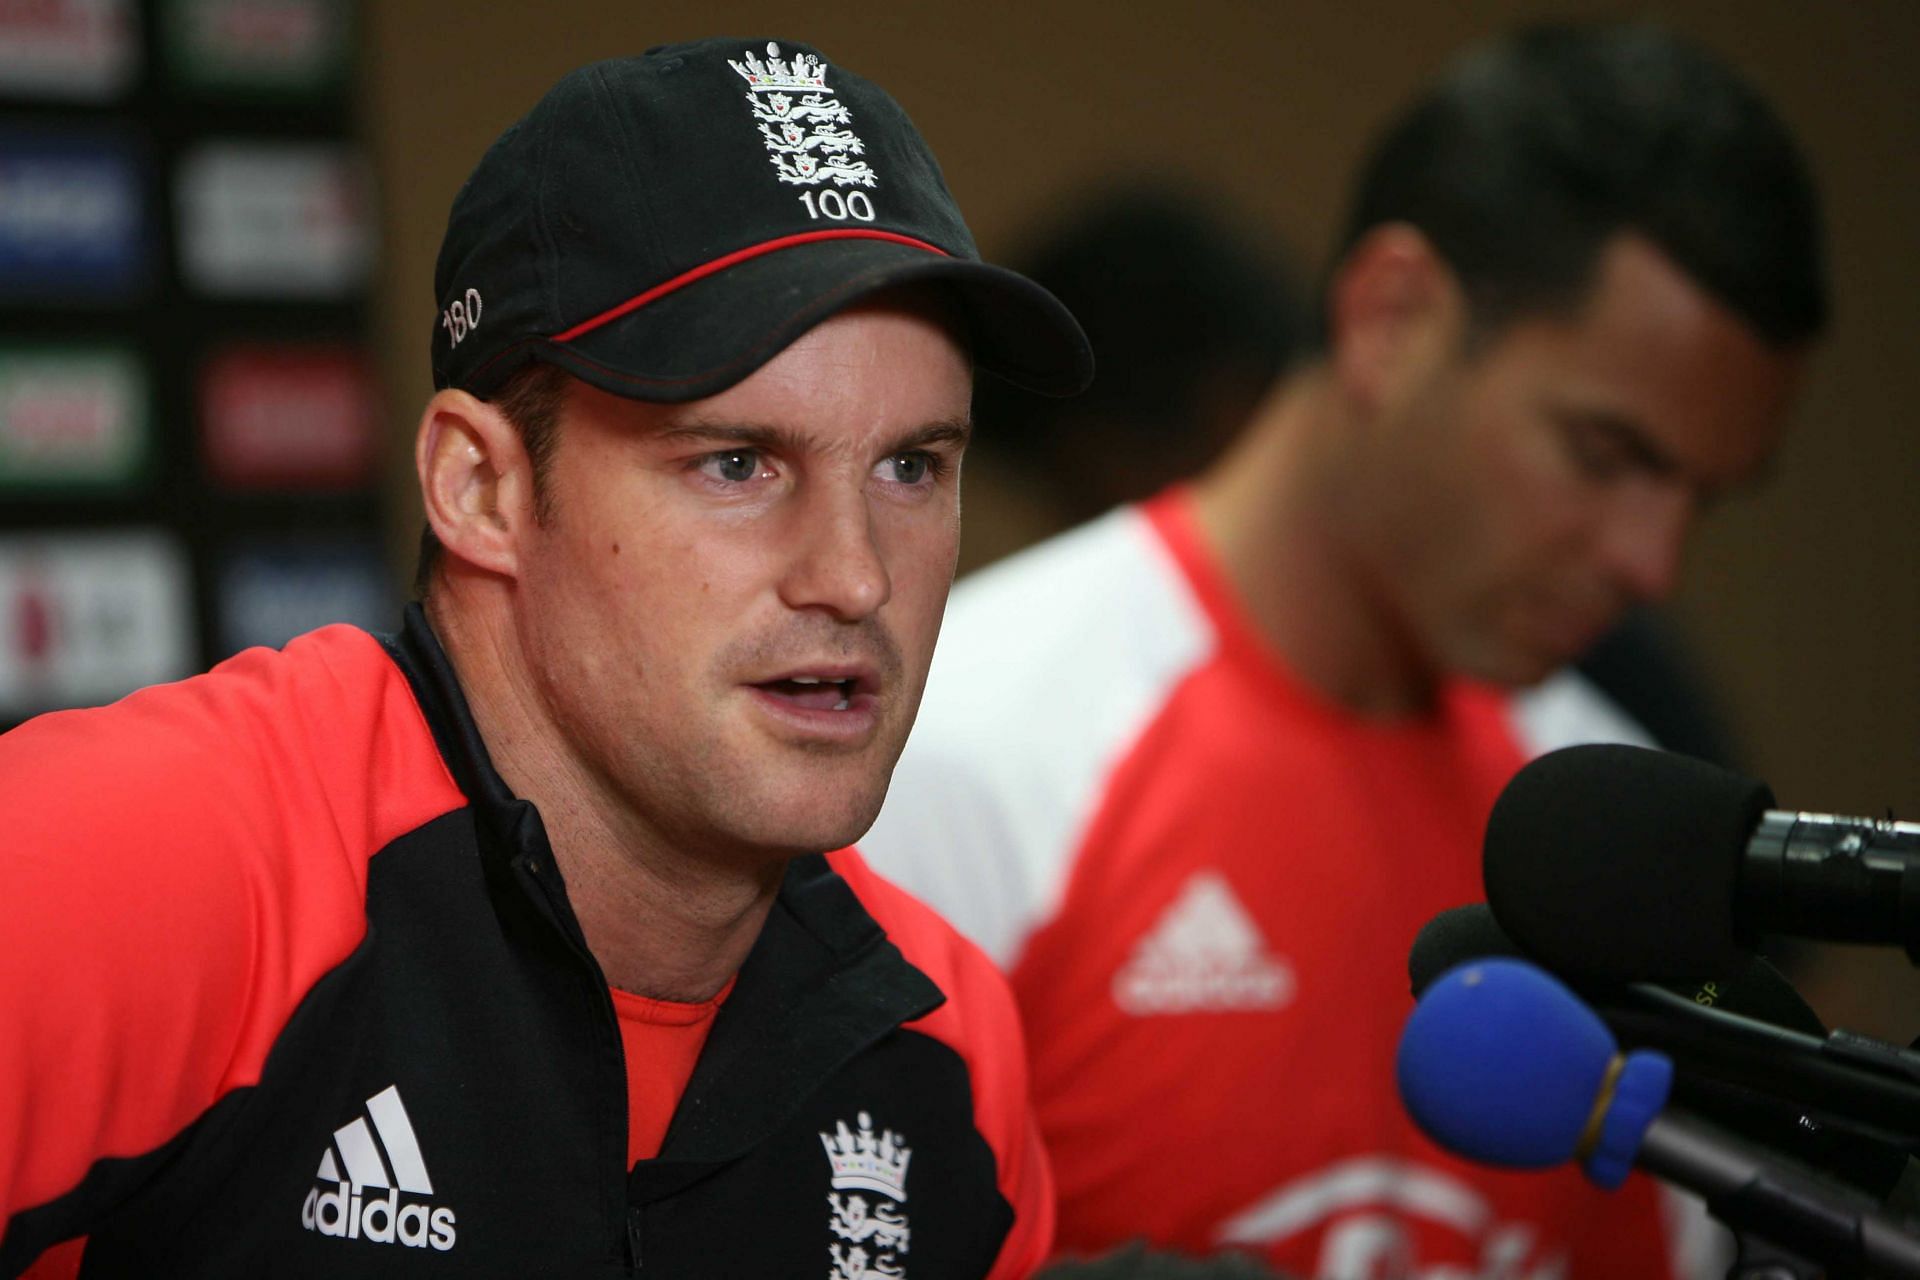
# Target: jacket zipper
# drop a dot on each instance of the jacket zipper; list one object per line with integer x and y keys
{"x": 558, "y": 916}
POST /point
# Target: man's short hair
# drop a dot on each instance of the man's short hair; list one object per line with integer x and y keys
{"x": 1533, "y": 151}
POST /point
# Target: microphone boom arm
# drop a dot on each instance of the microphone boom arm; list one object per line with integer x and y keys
{"x": 1878, "y": 1092}
{"x": 1789, "y": 1210}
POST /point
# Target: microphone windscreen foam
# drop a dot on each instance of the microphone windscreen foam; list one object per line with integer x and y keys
{"x": 1500, "y": 1063}
{"x": 1617, "y": 863}
{"x": 1755, "y": 990}
{"x": 1455, "y": 936}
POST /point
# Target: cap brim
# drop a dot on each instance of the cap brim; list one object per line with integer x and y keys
{"x": 699, "y": 340}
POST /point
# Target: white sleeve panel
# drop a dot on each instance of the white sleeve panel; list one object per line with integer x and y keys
{"x": 1699, "y": 1247}
{"x": 1567, "y": 710}
{"x": 1050, "y": 665}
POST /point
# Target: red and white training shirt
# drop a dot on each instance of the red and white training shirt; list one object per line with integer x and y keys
{"x": 1203, "y": 879}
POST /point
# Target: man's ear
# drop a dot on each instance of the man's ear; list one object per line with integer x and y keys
{"x": 476, "y": 481}
{"x": 1393, "y": 299}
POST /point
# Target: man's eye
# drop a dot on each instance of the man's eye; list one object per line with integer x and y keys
{"x": 910, "y": 468}
{"x": 735, "y": 466}
{"x": 1598, "y": 455}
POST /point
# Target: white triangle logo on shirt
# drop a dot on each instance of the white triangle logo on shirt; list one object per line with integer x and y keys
{"x": 362, "y": 1153}
{"x": 383, "y": 1156}
{"x": 1204, "y": 955}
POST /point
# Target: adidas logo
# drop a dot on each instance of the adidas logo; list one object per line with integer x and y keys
{"x": 352, "y": 1207}
{"x": 1203, "y": 955}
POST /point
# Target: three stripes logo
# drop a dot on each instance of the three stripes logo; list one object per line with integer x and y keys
{"x": 350, "y": 1204}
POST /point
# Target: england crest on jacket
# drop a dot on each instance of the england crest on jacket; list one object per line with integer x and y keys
{"x": 868, "y": 1223}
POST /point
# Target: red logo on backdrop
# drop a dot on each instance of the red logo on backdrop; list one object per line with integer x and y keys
{"x": 289, "y": 417}
{"x": 33, "y": 619}
{"x": 271, "y": 32}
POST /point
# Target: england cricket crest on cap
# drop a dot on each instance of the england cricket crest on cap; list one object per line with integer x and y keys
{"x": 801, "y": 122}
{"x": 870, "y": 1228}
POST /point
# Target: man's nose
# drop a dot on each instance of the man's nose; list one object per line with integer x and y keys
{"x": 1646, "y": 540}
{"x": 834, "y": 562}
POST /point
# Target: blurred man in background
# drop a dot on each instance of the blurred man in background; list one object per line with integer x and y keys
{"x": 1197, "y": 772}
{"x": 1194, "y": 321}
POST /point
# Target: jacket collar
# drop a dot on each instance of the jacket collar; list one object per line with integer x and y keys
{"x": 821, "y": 983}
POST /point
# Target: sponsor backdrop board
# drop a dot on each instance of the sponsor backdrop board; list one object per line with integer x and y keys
{"x": 273, "y": 592}
{"x": 74, "y": 222}
{"x": 289, "y": 416}
{"x": 68, "y": 50}
{"x": 189, "y": 424}
{"x": 270, "y": 48}
{"x": 274, "y": 220}
{"x": 86, "y": 617}
{"x": 72, "y": 417}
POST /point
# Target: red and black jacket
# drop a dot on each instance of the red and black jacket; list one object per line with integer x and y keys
{"x": 290, "y": 985}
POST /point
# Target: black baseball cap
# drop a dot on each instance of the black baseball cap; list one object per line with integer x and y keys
{"x": 662, "y": 226}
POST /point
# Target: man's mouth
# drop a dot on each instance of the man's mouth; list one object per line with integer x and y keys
{"x": 828, "y": 702}
{"x": 821, "y": 687}
{"x": 815, "y": 693}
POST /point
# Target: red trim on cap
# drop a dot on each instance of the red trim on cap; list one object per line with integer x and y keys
{"x": 735, "y": 258}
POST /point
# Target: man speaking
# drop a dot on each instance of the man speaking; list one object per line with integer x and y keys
{"x": 507, "y": 945}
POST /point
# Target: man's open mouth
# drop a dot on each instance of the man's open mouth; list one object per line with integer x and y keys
{"x": 815, "y": 693}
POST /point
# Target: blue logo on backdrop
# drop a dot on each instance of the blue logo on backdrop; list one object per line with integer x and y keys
{"x": 274, "y": 590}
{"x": 73, "y": 221}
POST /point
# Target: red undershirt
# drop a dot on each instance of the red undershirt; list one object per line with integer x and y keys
{"x": 662, "y": 1039}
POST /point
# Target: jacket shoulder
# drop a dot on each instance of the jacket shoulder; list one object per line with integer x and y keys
{"x": 183, "y": 866}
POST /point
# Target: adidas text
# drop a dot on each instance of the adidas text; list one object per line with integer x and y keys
{"x": 382, "y": 1219}
{"x": 372, "y": 1159}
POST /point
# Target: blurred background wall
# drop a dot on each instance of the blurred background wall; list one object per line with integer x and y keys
{"x": 1802, "y": 600}
{"x": 190, "y": 423}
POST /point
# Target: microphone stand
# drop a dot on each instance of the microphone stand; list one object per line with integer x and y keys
{"x": 1763, "y": 1194}
{"x": 1856, "y": 1078}
{"x": 1756, "y": 1259}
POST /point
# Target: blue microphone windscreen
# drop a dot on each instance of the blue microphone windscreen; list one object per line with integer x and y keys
{"x": 1500, "y": 1063}
{"x": 1646, "y": 1080}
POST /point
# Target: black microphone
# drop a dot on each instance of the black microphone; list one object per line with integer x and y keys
{"x": 1750, "y": 1055}
{"x": 1502, "y": 1064}
{"x": 1754, "y": 988}
{"x": 1621, "y": 863}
